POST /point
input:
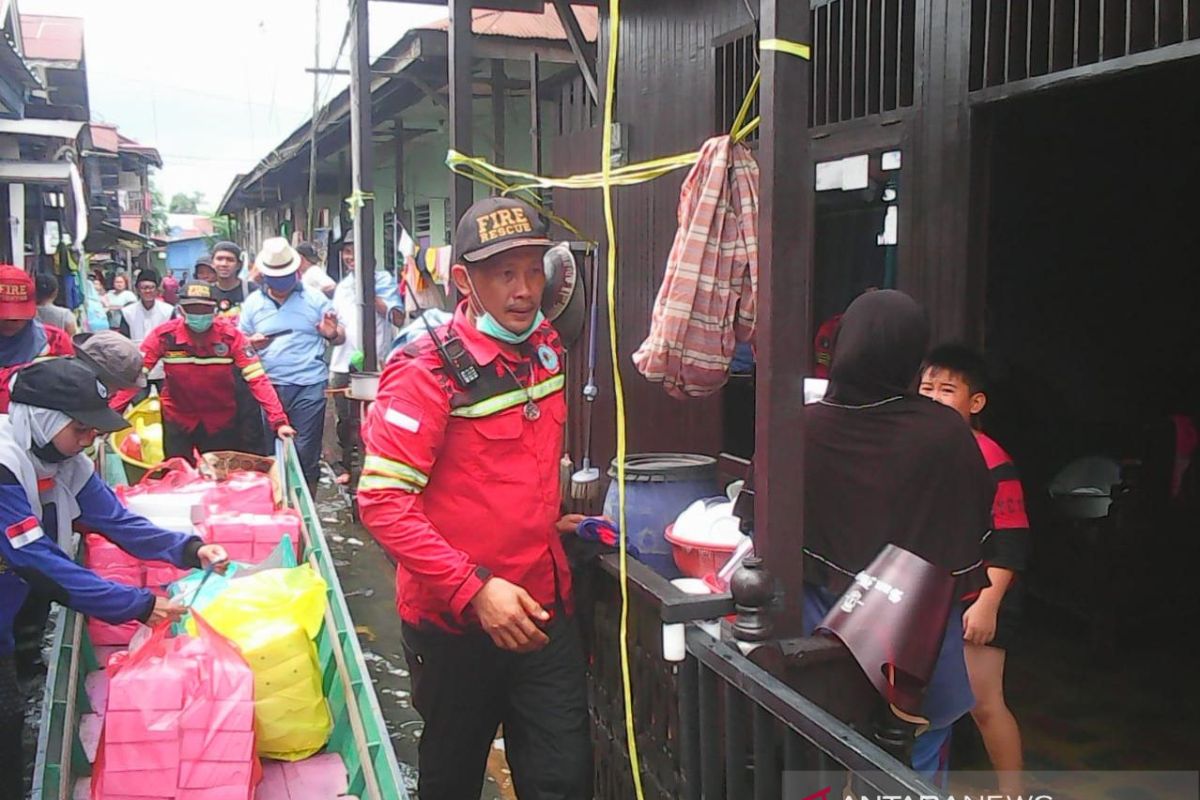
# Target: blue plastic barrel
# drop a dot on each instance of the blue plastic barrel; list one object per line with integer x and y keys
{"x": 658, "y": 487}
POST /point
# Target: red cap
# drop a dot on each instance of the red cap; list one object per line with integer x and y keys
{"x": 17, "y": 297}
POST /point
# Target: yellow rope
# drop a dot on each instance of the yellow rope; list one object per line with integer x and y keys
{"x": 614, "y": 19}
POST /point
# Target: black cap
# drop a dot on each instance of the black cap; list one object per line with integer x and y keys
{"x": 69, "y": 386}
{"x": 347, "y": 237}
{"x": 147, "y": 275}
{"x": 197, "y": 292}
{"x": 495, "y": 225}
{"x": 309, "y": 251}
{"x": 227, "y": 247}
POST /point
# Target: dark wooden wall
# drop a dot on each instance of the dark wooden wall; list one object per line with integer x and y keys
{"x": 665, "y": 100}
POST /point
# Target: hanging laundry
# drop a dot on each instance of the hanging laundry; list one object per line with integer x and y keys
{"x": 707, "y": 302}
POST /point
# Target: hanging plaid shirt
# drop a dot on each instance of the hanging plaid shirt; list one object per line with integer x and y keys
{"x": 708, "y": 296}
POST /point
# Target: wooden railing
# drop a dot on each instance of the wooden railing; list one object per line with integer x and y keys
{"x": 726, "y": 721}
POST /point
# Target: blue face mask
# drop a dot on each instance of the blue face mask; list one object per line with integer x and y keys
{"x": 281, "y": 284}
{"x": 198, "y": 322}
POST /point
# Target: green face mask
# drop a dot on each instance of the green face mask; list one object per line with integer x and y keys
{"x": 198, "y": 322}
{"x": 486, "y": 324}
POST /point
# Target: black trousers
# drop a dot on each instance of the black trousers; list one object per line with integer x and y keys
{"x": 347, "y": 426}
{"x": 464, "y": 687}
{"x": 12, "y": 724}
{"x": 179, "y": 442}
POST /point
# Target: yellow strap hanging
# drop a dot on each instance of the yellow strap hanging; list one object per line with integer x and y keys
{"x": 739, "y": 131}
{"x": 785, "y": 46}
{"x": 357, "y": 200}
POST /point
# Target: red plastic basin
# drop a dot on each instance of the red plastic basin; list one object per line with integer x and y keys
{"x": 696, "y": 560}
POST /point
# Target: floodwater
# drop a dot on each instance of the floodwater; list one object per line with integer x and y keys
{"x": 368, "y": 580}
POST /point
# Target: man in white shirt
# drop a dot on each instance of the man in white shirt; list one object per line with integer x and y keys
{"x": 389, "y": 314}
{"x": 138, "y": 319}
{"x": 312, "y": 271}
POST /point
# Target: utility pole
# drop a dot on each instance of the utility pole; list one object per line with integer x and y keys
{"x": 462, "y": 191}
{"x": 311, "y": 222}
{"x": 364, "y": 180}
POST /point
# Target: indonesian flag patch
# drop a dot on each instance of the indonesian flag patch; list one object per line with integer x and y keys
{"x": 22, "y": 533}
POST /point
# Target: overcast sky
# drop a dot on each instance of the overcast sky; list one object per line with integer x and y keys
{"x": 214, "y": 85}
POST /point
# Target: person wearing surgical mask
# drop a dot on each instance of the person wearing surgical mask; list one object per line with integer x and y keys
{"x": 291, "y": 326}
{"x": 202, "y": 354}
{"x": 47, "y": 485}
{"x": 460, "y": 486}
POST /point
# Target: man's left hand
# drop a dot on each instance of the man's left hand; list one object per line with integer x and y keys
{"x": 285, "y": 432}
{"x": 214, "y": 555}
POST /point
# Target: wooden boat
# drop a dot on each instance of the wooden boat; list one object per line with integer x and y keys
{"x": 360, "y": 735}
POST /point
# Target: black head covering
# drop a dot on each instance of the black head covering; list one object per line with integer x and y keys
{"x": 878, "y": 350}
{"x": 885, "y": 465}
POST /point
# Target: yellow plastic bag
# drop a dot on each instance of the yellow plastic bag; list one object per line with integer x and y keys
{"x": 272, "y": 617}
{"x": 151, "y": 437}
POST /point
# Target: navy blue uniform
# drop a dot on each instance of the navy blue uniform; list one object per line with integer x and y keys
{"x": 31, "y": 558}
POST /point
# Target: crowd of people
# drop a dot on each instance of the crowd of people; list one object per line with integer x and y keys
{"x": 460, "y": 478}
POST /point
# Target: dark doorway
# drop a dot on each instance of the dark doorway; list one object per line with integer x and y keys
{"x": 1092, "y": 329}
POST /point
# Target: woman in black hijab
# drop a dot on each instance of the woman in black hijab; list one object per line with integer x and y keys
{"x": 884, "y": 465}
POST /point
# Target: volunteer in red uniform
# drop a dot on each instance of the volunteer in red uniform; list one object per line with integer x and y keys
{"x": 200, "y": 352}
{"x": 460, "y": 486}
{"x": 23, "y": 338}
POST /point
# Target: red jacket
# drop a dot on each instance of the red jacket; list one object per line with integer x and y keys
{"x": 58, "y": 343}
{"x": 198, "y": 380}
{"x": 458, "y": 486}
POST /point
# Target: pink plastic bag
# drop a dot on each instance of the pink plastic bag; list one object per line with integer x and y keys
{"x": 252, "y": 537}
{"x": 179, "y": 721}
{"x": 247, "y": 492}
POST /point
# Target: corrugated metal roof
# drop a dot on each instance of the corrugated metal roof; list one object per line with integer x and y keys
{"x": 526, "y": 25}
{"x": 52, "y": 38}
{"x": 105, "y": 137}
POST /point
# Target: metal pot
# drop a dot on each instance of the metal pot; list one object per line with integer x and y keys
{"x": 363, "y": 386}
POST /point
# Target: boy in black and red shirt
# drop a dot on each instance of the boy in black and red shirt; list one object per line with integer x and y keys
{"x": 955, "y": 376}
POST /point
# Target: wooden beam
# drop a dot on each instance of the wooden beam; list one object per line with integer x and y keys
{"x": 584, "y": 56}
{"x": 461, "y": 113}
{"x": 535, "y": 111}
{"x": 499, "y": 81}
{"x": 364, "y": 178}
{"x": 398, "y": 200}
{"x": 785, "y": 278}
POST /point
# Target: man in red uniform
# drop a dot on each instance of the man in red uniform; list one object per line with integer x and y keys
{"x": 460, "y": 486}
{"x": 200, "y": 352}
{"x": 23, "y": 338}
{"x": 955, "y": 375}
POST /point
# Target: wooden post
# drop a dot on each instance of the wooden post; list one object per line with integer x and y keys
{"x": 499, "y": 82}
{"x": 398, "y": 200}
{"x": 461, "y": 95}
{"x": 364, "y": 180}
{"x": 535, "y": 111}
{"x": 785, "y": 236}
